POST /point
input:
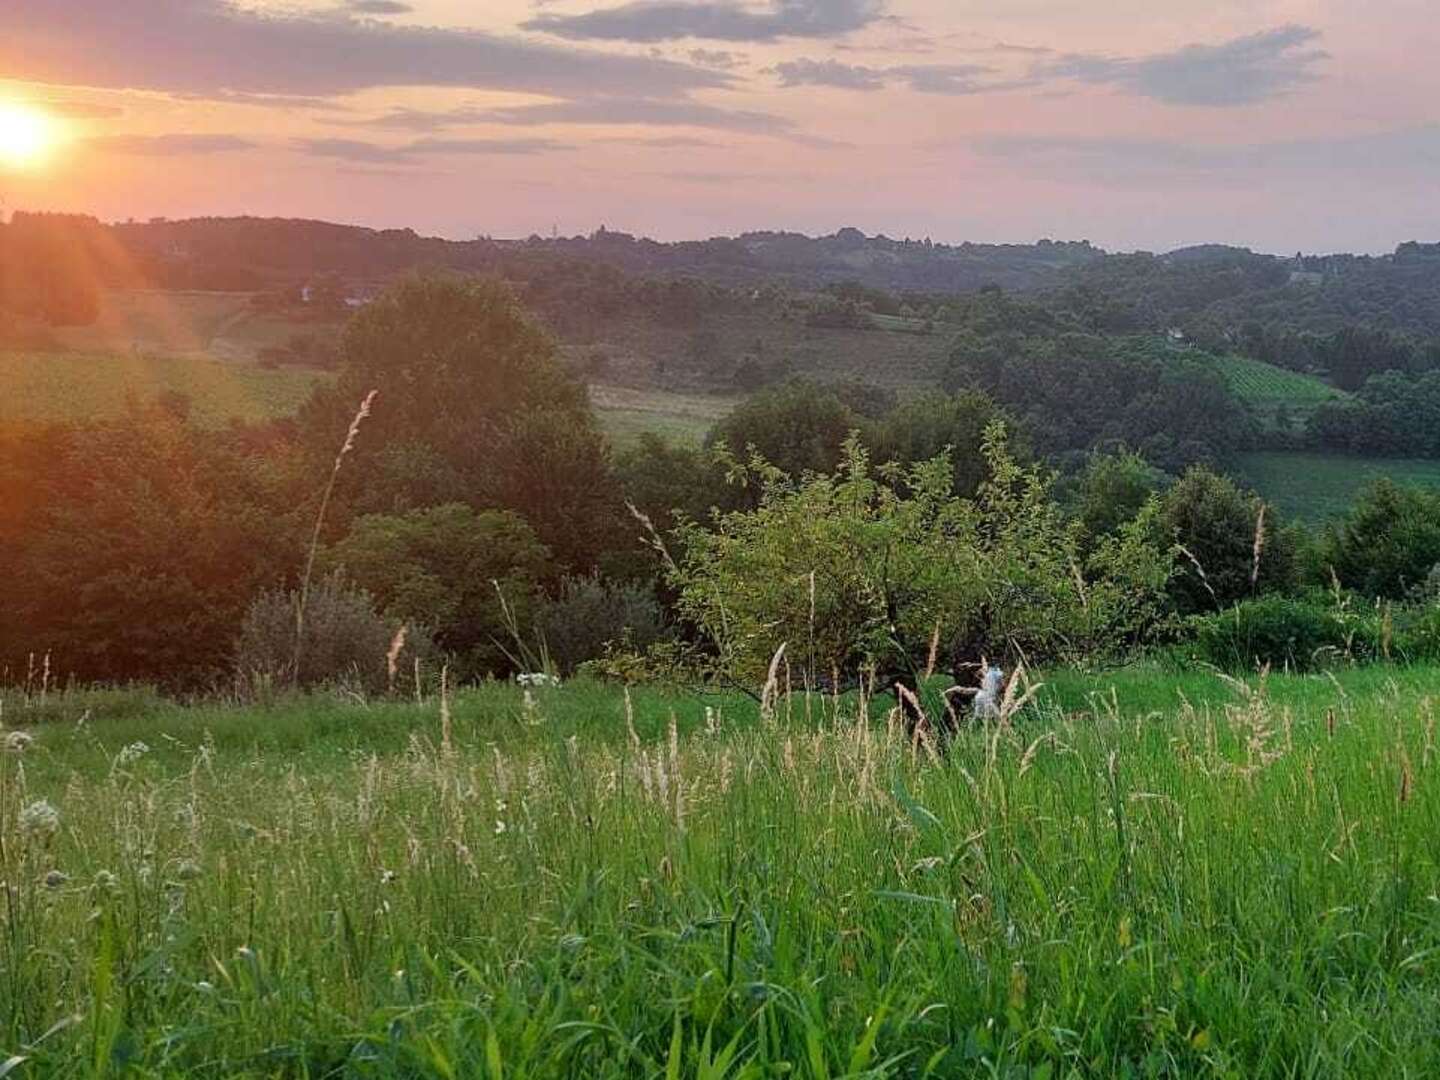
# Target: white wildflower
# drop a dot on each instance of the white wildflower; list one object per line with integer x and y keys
{"x": 132, "y": 753}
{"x": 17, "y": 742}
{"x": 499, "y": 827}
{"x": 40, "y": 819}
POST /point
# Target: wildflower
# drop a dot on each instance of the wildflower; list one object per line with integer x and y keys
{"x": 499, "y": 827}
{"x": 56, "y": 879}
{"x": 40, "y": 819}
{"x": 17, "y": 742}
{"x": 387, "y": 876}
{"x": 132, "y": 753}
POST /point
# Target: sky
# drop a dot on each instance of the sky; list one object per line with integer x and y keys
{"x": 1282, "y": 125}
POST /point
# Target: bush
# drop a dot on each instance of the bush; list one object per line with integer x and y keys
{"x": 1286, "y": 632}
{"x": 590, "y": 615}
{"x": 344, "y": 638}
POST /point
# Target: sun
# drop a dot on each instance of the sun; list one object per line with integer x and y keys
{"x": 27, "y": 135}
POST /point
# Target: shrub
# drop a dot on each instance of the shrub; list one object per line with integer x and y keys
{"x": 1286, "y": 632}
{"x": 344, "y": 638}
{"x": 590, "y": 615}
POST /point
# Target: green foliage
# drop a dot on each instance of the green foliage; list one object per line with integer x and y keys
{"x": 1215, "y": 522}
{"x": 932, "y": 424}
{"x": 447, "y": 568}
{"x": 1078, "y": 391}
{"x": 1389, "y": 543}
{"x": 798, "y": 427}
{"x": 463, "y": 372}
{"x": 590, "y": 617}
{"x": 1113, "y": 489}
{"x": 1287, "y": 633}
{"x": 135, "y": 545}
{"x": 859, "y": 567}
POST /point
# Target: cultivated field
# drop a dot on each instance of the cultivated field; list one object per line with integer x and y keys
{"x": 1265, "y": 386}
{"x": 1320, "y": 486}
{"x": 626, "y": 413}
{"x": 44, "y": 387}
{"x": 1140, "y": 875}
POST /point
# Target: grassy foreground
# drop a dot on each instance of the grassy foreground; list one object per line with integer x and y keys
{"x": 1143, "y": 875}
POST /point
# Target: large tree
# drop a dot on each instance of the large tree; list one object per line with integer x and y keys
{"x": 472, "y": 404}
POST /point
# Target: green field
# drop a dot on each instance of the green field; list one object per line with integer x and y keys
{"x": 1320, "y": 486}
{"x": 1141, "y": 875}
{"x": 1266, "y": 386}
{"x": 47, "y": 387}
{"x": 625, "y": 414}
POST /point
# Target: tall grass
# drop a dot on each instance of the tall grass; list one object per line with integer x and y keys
{"x": 1141, "y": 876}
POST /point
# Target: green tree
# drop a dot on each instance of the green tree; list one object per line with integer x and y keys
{"x": 1389, "y": 542}
{"x": 463, "y": 373}
{"x": 797, "y": 427}
{"x": 446, "y": 568}
{"x": 1113, "y": 489}
{"x": 936, "y": 423}
{"x": 1215, "y": 523}
{"x": 138, "y": 546}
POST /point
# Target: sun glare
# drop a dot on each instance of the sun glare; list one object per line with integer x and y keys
{"x": 27, "y": 135}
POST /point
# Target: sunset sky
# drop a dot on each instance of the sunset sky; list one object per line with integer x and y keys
{"x": 1279, "y": 124}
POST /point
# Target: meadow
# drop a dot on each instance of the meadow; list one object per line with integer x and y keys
{"x": 1139, "y": 873}
{"x": 1316, "y": 486}
{"x": 60, "y": 387}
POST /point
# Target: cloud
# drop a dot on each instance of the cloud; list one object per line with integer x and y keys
{"x": 368, "y": 153}
{"x": 1242, "y": 71}
{"x": 81, "y": 110}
{"x": 717, "y": 20}
{"x": 833, "y": 73}
{"x": 665, "y": 142}
{"x": 1405, "y": 149}
{"x": 378, "y": 7}
{"x": 211, "y": 47}
{"x": 953, "y": 79}
{"x": 172, "y": 145}
{"x": 716, "y": 58}
{"x": 651, "y": 112}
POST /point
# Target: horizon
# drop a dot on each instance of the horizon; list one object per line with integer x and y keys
{"x": 604, "y": 227}
{"x": 1279, "y": 126}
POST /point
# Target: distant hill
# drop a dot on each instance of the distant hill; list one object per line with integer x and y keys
{"x": 247, "y": 253}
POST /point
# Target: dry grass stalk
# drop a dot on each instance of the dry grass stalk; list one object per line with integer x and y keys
{"x": 350, "y": 435}
{"x": 447, "y": 743}
{"x": 934, "y": 655}
{"x": 1200, "y": 570}
{"x": 392, "y": 655}
{"x": 1258, "y": 548}
{"x": 770, "y": 692}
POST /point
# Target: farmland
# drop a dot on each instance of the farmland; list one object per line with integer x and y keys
{"x": 1319, "y": 486}
{"x": 1140, "y": 874}
{"x": 46, "y": 387}
{"x": 626, "y": 413}
{"x": 1264, "y": 386}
